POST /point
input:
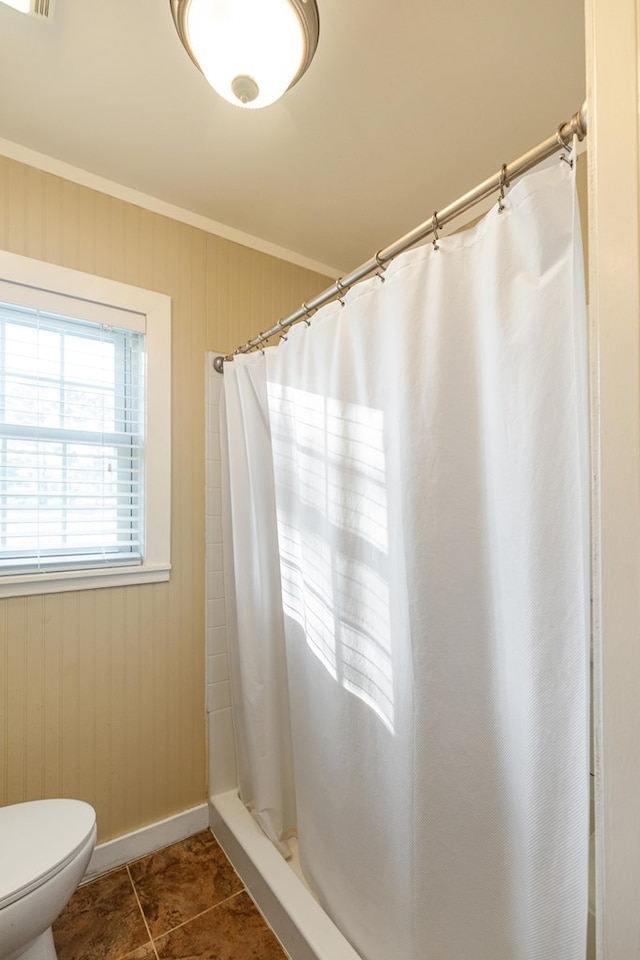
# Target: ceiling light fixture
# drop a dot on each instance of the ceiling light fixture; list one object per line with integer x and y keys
{"x": 250, "y": 51}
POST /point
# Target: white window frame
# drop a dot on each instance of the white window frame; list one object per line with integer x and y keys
{"x": 27, "y": 277}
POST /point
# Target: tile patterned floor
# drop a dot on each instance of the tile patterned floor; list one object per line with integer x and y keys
{"x": 184, "y": 902}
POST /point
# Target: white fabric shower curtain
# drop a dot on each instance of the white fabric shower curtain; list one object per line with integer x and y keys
{"x": 408, "y": 487}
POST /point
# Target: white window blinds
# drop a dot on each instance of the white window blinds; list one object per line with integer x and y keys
{"x": 71, "y": 442}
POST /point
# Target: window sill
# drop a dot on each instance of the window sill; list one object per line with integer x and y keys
{"x": 23, "y": 586}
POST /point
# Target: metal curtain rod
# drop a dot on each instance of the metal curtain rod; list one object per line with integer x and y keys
{"x": 577, "y": 126}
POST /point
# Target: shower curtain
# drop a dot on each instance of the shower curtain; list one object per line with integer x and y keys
{"x": 407, "y": 542}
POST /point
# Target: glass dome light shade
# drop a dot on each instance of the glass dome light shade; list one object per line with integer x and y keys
{"x": 250, "y": 51}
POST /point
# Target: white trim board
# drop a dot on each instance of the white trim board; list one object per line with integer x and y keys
{"x": 613, "y": 91}
{"x": 32, "y": 158}
{"x": 140, "y": 843}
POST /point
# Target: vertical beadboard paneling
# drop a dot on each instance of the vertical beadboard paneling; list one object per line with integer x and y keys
{"x": 102, "y": 693}
{"x": 52, "y": 694}
{"x": 103, "y": 742}
{"x": 16, "y": 699}
{"x": 34, "y": 712}
{"x": 118, "y": 677}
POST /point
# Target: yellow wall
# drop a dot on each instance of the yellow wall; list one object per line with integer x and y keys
{"x": 102, "y": 691}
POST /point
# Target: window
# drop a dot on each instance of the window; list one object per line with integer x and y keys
{"x": 84, "y": 430}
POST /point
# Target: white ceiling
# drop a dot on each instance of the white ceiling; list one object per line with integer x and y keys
{"x": 407, "y": 105}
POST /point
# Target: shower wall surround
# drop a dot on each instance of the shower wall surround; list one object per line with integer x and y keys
{"x": 222, "y": 756}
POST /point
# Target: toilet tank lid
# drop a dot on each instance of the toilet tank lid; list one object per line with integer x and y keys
{"x": 37, "y": 839}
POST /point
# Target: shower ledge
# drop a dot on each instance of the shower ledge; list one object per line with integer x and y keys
{"x": 298, "y": 920}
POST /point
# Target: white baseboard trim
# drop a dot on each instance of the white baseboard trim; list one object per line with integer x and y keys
{"x": 132, "y": 846}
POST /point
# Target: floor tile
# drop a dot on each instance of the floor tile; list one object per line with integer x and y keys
{"x": 183, "y": 880}
{"x": 234, "y": 930}
{"x": 102, "y": 921}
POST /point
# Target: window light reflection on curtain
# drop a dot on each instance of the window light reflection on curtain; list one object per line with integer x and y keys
{"x": 339, "y": 597}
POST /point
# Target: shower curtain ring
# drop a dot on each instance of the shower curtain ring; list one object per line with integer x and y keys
{"x": 565, "y": 146}
{"x": 504, "y": 183}
{"x": 307, "y": 311}
{"x": 435, "y": 226}
{"x": 382, "y": 266}
{"x": 341, "y": 287}
{"x": 561, "y": 141}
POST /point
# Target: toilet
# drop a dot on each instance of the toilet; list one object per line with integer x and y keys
{"x": 45, "y": 847}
